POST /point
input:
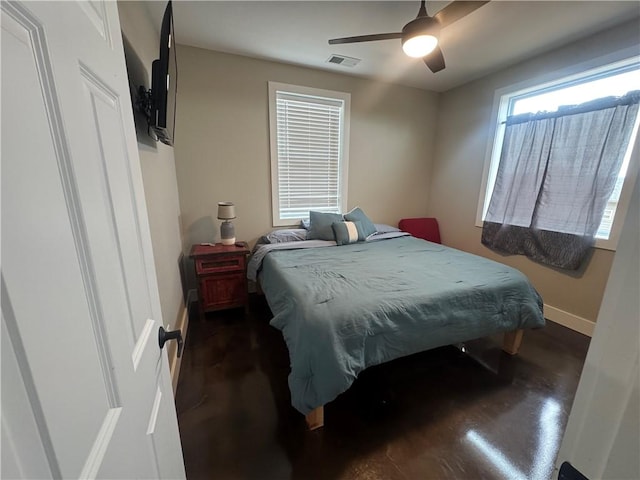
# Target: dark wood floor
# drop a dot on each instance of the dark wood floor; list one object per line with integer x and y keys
{"x": 438, "y": 414}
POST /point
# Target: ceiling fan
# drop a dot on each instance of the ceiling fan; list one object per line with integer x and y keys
{"x": 420, "y": 36}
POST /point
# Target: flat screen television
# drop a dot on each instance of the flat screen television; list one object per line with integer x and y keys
{"x": 164, "y": 79}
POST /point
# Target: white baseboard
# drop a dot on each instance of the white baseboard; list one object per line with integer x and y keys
{"x": 182, "y": 324}
{"x": 569, "y": 320}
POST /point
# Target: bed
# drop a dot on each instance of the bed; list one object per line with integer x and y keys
{"x": 344, "y": 308}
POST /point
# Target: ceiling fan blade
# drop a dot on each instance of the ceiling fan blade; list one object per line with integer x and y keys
{"x": 435, "y": 60}
{"x": 366, "y": 38}
{"x": 456, "y": 10}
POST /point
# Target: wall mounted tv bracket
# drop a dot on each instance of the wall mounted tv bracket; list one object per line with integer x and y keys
{"x": 144, "y": 104}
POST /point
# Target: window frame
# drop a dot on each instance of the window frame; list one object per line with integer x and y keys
{"x": 343, "y": 160}
{"x": 501, "y": 102}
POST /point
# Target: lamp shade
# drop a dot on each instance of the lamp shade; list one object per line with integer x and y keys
{"x": 226, "y": 211}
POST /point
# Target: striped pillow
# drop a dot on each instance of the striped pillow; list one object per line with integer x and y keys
{"x": 348, "y": 232}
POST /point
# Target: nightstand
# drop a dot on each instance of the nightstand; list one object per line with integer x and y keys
{"x": 221, "y": 272}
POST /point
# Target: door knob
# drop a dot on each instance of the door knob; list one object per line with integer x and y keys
{"x": 164, "y": 336}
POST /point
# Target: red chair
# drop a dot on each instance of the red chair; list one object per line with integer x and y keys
{"x": 425, "y": 228}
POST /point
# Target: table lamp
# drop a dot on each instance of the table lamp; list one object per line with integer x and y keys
{"x": 227, "y": 212}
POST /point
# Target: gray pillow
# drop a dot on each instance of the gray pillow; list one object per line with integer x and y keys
{"x": 357, "y": 215}
{"x": 286, "y": 235}
{"x": 384, "y": 228}
{"x": 320, "y": 225}
{"x": 348, "y": 232}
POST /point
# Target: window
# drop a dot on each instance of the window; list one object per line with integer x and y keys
{"x": 613, "y": 80}
{"x": 309, "y": 130}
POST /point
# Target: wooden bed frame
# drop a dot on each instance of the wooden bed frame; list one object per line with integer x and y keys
{"x": 510, "y": 344}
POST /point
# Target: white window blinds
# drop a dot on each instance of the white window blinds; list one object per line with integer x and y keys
{"x": 309, "y": 137}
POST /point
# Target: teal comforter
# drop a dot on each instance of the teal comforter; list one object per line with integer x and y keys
{"x": 343, "y": 309}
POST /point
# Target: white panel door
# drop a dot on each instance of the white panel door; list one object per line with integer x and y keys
{"x": 85, "y": 387}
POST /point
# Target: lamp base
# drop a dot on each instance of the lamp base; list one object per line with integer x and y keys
{"x": 227, "y": 233}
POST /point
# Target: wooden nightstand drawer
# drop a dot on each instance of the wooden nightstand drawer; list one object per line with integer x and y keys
{"x": 220, "y": 264}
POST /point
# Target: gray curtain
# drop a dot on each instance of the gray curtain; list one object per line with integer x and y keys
{"x": 557, "y": 171}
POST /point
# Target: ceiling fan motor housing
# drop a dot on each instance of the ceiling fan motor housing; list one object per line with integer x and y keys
{"x": 420, "y": 26}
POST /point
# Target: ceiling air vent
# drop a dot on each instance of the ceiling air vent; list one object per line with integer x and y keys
{"x": 343, "y": 61}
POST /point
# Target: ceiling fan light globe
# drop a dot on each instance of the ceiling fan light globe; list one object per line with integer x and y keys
{"x": 419, "y": 45}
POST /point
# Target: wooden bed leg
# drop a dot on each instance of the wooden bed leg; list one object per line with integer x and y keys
{"x": 315, "y": 419}
{"x": 512, "y": 341}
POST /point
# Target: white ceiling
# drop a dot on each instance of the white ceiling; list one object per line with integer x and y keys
{"x": 496, "y": 35}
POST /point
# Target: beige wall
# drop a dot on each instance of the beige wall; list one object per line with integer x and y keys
{"x": 222, "y": 142}
{"x": 464, "y": 128}
{"x": 158, "y": 167}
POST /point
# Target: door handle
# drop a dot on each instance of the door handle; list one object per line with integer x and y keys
{"x": 164, "y": 336}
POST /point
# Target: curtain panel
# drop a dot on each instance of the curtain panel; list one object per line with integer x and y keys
{"x": 557, "y": 171}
